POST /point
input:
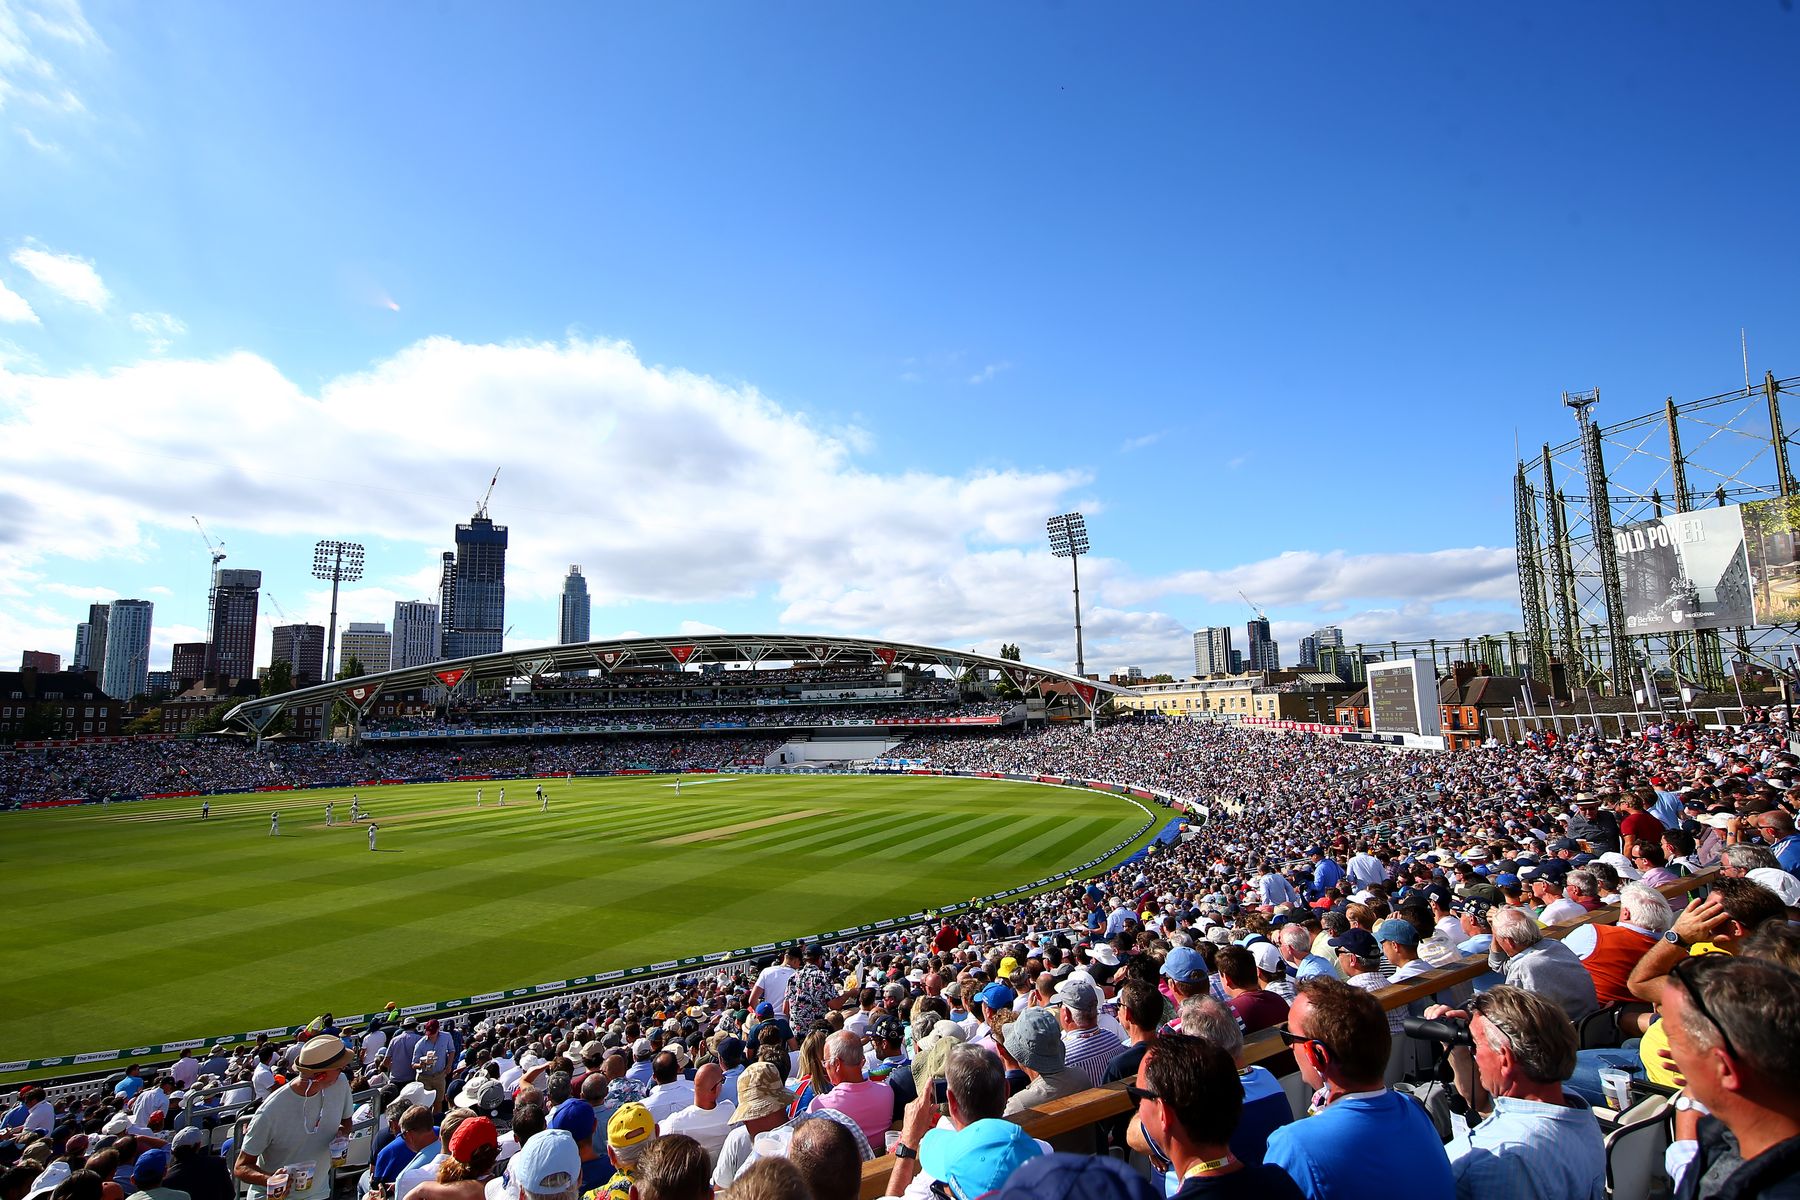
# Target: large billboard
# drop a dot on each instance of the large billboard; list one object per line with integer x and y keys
{"x": 1403, "y": 698}
{"x": 1772, "y": 543}
{"x": 1685, "y": 571}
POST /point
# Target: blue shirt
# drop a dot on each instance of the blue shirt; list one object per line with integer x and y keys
{"x": 1529, "y": 1148}
{"x": 129, "y": 1087}
{"x": 391, "y": 1161}
{"x": 1787, "y": 853}
{"x": 1359, "y": 1146}
{"x": 1667, "y": 809}
{"x": 1266, "y": 1109}
{"x": 1326, "y": 874}
{"x": 1316, "y": 964}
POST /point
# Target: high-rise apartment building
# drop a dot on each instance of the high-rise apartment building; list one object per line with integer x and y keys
{"x": 1328, "y": 636}
{"x": 187, "y": 663}
{"x": 232, "y": 653}
{"x": 369, "y": 643}
{"x": 417, "y": 639}
{"x": 1212, "y": 651}
{"x": 127, "y": 669}
{"x": 475, "y": 623}
{"x": 1265, "y": 652}
{"x": 446, "y": 602}
{"x": 302, "y": 648}
{"x": 90, "y": 641}
{"x": 573, "y": 627}
{"x": 42, "y": 661}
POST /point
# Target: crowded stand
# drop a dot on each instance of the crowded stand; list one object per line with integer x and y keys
{"x": 1319, "y": 892}
{"x": 488, "y": 720}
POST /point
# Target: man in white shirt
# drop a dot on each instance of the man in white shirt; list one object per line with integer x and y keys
{"x": 772, "y": 983}
{"x": 671, "y": 1092}
{"x": 185, "y": 1070}
{"x": 373, "y": 1042}
{"x": 152, "y": 1104}
{"x": 708, "y": 1118}
{"x": 262, "y": 1079}
{"x": 39, "y": 1116}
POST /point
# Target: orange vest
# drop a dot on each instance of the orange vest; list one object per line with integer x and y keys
{"x": 1616, "y": 951}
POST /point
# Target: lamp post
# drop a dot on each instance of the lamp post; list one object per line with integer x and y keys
{"x": 1069, "y": 539}
{"x": 339, "y": 562}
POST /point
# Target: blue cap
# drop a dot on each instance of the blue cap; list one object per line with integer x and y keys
{"x": 1357, "y": 941}
{"x": 151, "y": 1166}
{"x": 1396, "y": 930}
{"x": 765, "y": 1009}
{"x": 575, "y": 1117}
{"x": 1076, "y": 1177}
{"x": 1507, "y": 880}
{"x": 996, "y": 995}
{"x": 1184, "y": 965}
{"x": 977, "y": 1158}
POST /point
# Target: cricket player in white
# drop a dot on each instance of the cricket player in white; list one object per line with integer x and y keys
{"x": 477, "y": 797}
{"x": 545, "y": 797}
{"x": 274, "y": 824}
{"x": 328, "y": 814}
{"x": 502, "y": 797}
{"x": 372, "y": 828}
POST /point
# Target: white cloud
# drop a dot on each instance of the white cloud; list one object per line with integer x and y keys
{"x": 987, "y": 373}
{"x": 72, "y": 278}
{"x": 159, "y": 328}
{"x": 35, "y": 142}
{"x": 1307, "y": 577}
{"x": 1140, "y": 442}
{"x": 14, "y": 309}
{"x": 39, "y": 41}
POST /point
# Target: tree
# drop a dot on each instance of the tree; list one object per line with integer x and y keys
{"x": 279, "y": 678}
{"x": 1162, "y": 679}
{"x": 210, "y": 721}
{"x": 150, "y": 721}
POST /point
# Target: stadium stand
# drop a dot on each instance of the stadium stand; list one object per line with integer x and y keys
{"x": 1309, "y": 859}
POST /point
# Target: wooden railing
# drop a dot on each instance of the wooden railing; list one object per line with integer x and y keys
{"x": 1264, "y": 1049}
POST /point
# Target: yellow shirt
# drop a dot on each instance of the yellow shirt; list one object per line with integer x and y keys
{"x": 1655, "y": 1042}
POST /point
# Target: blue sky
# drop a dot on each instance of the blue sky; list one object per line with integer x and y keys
{"x": 805, "y": 317}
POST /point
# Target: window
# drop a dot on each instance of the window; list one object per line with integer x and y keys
{"x": 90, "y": 711}
{"x": 87, "y": 727}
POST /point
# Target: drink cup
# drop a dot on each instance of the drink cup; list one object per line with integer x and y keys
{"x": 340, "y": 1151}
{"x": 1617, "y": 1086}
{"x": 278, "y": 1185}
{"x": 893, "y": 1136}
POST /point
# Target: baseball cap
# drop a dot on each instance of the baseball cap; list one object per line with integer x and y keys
{"x": 1507, "y": 879}
{"x": 1357, "y": 941}
{"x": 629, "y": 1125}
{"x": 887, "y": 1027}
{"x": 548, "y": 1163}
{"x": 575, "y": 1117}
{"x": 997, "y": 995}
{"x": 765, "y": 1009}
{"x": 190, "y": 1135}
{"x": 151, "y": 1166}
{"x": 1184, "y": 965}
{"x": 1268, "y": 958}
{"x": 977, "y": 1158}
{"x": 472, "y": 1135}
{"x": 1396, "y": 930}
{"x": 1079, "y": 994}
{"x": 1076, "y": 1177}
{"x": 1779, "y": 882}
{"x": 1473, "y": 906}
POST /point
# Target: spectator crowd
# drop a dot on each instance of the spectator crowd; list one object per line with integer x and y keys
{"x": 1317, "y": 895}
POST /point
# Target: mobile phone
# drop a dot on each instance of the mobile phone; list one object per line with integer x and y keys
{"x": 938, "y": 1090}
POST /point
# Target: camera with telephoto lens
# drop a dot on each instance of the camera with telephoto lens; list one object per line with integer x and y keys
{"x": 1450, "y": 1033}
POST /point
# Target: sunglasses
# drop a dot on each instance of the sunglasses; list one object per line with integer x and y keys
{"x": 1139, "y": 1095}
{"x": 1295, "y": 1039}
{"x": 1689, "y": 972}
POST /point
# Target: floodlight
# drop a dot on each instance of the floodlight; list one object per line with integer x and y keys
{"x": 338, "y": 562}
{"x": 1069, "y": 539}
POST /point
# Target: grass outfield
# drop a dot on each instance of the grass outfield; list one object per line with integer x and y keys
{"x": 139, "y": 923}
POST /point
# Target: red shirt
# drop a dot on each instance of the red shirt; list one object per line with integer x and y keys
{"x": 1640, "y": 827}
{"x": 1259, "y": 1009}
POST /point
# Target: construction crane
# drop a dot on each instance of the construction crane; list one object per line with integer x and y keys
{"x": 481, "y": 509}
{"x": 217, "y": 550}
{"x": 1260, "y": 614}
{"x": 276, "y": 605}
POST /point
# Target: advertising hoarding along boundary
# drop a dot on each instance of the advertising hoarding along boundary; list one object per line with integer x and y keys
{"x": 627, "y": 975}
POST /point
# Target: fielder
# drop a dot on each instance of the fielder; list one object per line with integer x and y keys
{"x": 678, "y": 785}
{"x": 477, "y": 797}
{"x": 545, "y": 797}
{"x": 274, "y": 824}
{"x": 205, "y": 809}
{"x": 328, "y": 821}
{"x": 355, "y": 808}
{"x": 502, "y": 797}
{"x": 372, "y": 828}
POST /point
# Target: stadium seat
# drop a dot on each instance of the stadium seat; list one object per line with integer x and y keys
{"x": 1599, "y": 1030}
{"x": 1635, "y": 1146}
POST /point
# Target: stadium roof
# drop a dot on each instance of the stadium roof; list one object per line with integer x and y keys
{"x": 741, "y": 650}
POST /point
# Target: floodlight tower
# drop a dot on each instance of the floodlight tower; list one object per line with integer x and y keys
{"x": 340, "y": 562}
{"x": 1069, "y": 539}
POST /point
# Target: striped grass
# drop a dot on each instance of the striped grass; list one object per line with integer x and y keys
{"x": 140, "y": 923}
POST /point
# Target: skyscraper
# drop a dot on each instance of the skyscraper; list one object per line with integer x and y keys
{"x": 302, "y": 647}
{"x": 1327, "y": 636}
{"x": 417, "y": 638}
{"x": 187, "y": 663}
{"x": 127, "y": 668}
{"x": 90, "y": 641}
{"x": 1265, "y": 652}
{"x": 446, "y": 603}
{"x": 574, "y": 625}
{"x": 369, "y": 643}
{"x": 231, "y": 652}
{"x": 476, "y": 622}
{"x": 1212, "y": 651}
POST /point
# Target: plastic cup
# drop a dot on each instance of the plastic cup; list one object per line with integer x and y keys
{"x": 893, "y": 1137}
{"x": 278, "y": 1185}
{"x": 340, "y": 1151}
{"x": 1617, "y": 1086}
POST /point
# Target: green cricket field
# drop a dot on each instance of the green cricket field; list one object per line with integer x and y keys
{"x": 139, "y": 923}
